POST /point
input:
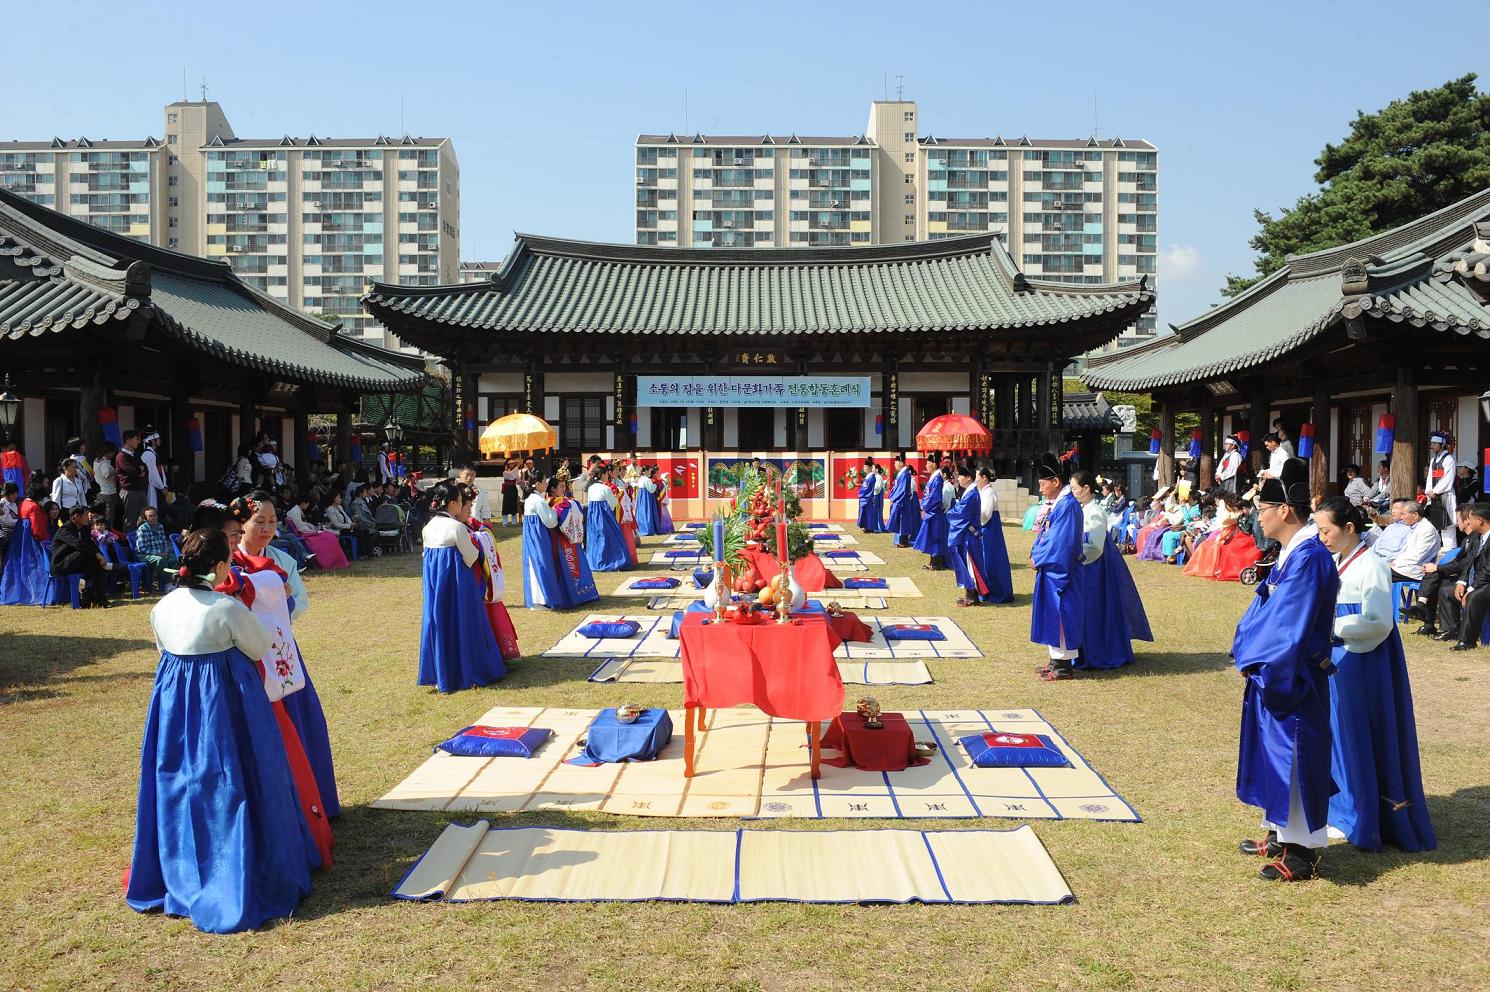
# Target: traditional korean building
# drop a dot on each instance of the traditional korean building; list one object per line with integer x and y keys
{"x": 93, "y": 321}
{"x": 812, "y": 357}
{"x": 1397, "y": 324}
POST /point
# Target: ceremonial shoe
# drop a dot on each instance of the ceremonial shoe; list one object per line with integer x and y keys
{"x": 1447, "y": 635}
{"x": 1295, "y": 864}
{"x": 1426, "y": 630}
{"x": 1268, "y": 847}
{"x": 1462, "y": 646}
{"x": 1058, "y": 674}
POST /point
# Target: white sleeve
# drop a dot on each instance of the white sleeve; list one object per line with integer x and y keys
{"x": 1093, "y": 536}
{"x": 466, "y": 546}
{"x": 1365, "y": 630}
{"x": 57, "y": 489}
{"x": 538, "y": 506}
{"x": 249, "y": 633}
{"x": 1446, "y": 481}
{"x": 946, "y": 496}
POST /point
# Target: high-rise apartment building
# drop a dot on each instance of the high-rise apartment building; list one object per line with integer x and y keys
{"x": 1082, "y": 211}
{"x": 305, "y": 220}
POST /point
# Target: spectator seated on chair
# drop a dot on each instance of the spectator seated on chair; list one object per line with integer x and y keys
{"x": 153, "y": 547}
{"x": 74, "y": 554}
{"x": 9, "y": 516}
{"x": 1422, "y": 545}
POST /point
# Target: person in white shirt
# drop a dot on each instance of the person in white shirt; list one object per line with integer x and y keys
{"x": 1381, "y": 491}
{"x": 1423, "y": 545}
{"x": 1278, "y": 453}
{"x": 1357, "y": 489}
{"x": 1231, "y": 461}
{"x": 1439, "y": 485}
{"x": 70, "y": 488}
{"x": 480, "y": 508}
{"x": 243, "y": 468}
{"x": 1284, "y": 438}
{"x": 108, "y": 486}
{"x": 155, "y": 479}
{"x": 385, "y": 468}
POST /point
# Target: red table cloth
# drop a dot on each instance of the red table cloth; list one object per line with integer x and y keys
{"x": 785, "y": 669}
{"x": 848, "y": 627}
{"x": 812, "y": 574}
{"x": 889, "y": 749}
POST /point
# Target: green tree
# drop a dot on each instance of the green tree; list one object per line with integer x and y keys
{"x": 1408, "y": 159}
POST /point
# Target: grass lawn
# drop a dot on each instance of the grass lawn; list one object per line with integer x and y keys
{"x": 1165, "y": 904}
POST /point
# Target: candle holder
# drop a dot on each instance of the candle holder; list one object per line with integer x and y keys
{"x": 783, "y": 595}
{"x": 721, "y": 597}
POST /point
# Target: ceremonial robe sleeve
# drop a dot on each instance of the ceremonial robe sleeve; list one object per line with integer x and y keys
{"x": 1060, "y": 544}
{"x": 1363, "y": 631}
{"x": 1275, "y": 642}
{"x": 1093, "y": 532}
{"x": 467, "y": 547}
{"x": 248, "y": 631}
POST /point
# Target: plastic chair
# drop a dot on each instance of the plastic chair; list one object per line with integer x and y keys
{"x": 175, "y": 543}
{"x": 138, "y": 571}
{"x": 1405, "y": 595}
{"x": 348, "y": 546}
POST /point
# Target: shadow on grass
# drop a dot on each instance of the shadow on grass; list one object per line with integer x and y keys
{"x": 1459, "y": 823}
{"x": 35, "y": 666}
{"x": 1165, "y": 663}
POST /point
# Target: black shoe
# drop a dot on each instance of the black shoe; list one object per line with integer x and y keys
{"x": 1462, "y": 646}
{"x": 1295, "y": 864}
{"x": 1268, "y": 847}
{"x": 1427, "y": 630}
{"x": 1447, "y": 635}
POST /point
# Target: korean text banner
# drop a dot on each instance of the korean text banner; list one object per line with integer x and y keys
{"x": 752, "y": 390}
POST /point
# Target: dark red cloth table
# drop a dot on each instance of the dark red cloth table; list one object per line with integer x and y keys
{"x": 812, "y": 575}
{"x": 785, "y": 669}
{"x": 848, "y": 627}
{"x": 890, "y": 749}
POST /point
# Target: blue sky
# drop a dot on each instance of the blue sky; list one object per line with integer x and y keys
{"x": 1239, "y": 98}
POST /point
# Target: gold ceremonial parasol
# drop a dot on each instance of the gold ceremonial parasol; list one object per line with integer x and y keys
{"x": 518, "y": 432}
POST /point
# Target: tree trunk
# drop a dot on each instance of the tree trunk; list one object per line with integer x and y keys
{"x": 1404, "y": 445}
{"x": 1166, "y": 445}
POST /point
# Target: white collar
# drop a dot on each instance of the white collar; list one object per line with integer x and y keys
{"x": 1304, "y": 533}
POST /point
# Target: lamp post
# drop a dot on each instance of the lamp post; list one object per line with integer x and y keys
{"x": 394, "y": 432}
{"x": 1484, "y": 401}
{"x": 10, "y": 408}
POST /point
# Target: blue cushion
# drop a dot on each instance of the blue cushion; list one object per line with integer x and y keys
{"x": 603, "y": 629}
{"x": 495, "y": 742}
{"x": 843, "y": 553}
{"x": 682, "y": 553}
{"x": 827, "y": 537}
{"x": 702, "y": 577}
{"x": 912, "y": 632}
{"x": 819, "y": 526}
{"x": 866, "y": 583}
{"x": 655, "y": 582}
{"x": 1010, "y": 750}
{"x": 695, "y": 526}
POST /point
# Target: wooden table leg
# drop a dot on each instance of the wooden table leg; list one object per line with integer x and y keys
{"x": 815, "y": 738}
{"x": 702, "y": 714}
{"x": 688, "y": 741}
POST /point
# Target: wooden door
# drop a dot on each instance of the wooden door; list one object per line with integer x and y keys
{"x": 1359, "y": 439}
{"x": 1440, "y": 413}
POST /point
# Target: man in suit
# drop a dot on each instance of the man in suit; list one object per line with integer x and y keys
{"x": 1473, "y": 589}
{"x": 1437, "y": 611}
{"x": 74, "y": 553}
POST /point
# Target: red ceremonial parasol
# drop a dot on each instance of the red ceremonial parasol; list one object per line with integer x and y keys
{"x": 954, "y": 432}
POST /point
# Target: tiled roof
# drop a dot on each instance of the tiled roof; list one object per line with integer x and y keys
{"x": 58, "y": 274}
{"x": 1409, "y": 273}
{"x": 549, "y": 285}
{"x": 1087, "y": 412}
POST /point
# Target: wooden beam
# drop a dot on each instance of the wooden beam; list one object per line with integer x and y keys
{"x": 1404, "y": 406}
{"x": 1319, "y": 464}
{"x": 1166, "y": 445}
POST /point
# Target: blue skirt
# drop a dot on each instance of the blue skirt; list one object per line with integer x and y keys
{"x": 871, "y": 514}
{"x": 648, "y": 514}
{"x": 932, "y": 537}
{"x": 27, "y": 579}
{"x": 219, "y": 836}
{"x": 1115, "y": 617}
{"x": 994, "y": 561}
{"x": 542, "y": 585}
{"x": 457, "y": 649}
{"x": 1374, "y": 761}
{"x": 605, "y": 545}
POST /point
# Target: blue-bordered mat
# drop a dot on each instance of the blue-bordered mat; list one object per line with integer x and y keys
{"x": 477, "y": 862}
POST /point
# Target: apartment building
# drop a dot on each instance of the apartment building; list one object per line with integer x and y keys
{"x": 309, "y": 221}
{"x": 1079, "y": 211}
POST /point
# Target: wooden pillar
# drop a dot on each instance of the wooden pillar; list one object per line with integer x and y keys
{"x": 1258, "y": 423}
{"x": 1166, "y": 444}
{"x": 1043, "y": 420}
{"x": 300, "y": 417}
{"x": 1020, "y": 390}
{"x": 180, "y": 449}
{"x": 344, "y": 433}
{"x": 1003, "y": 401}
{"x": 1404, "y": 406}
{"x": 1207, "y": 468}
{"x": 92, "y": 397}
{"x": 1319, "y": 464}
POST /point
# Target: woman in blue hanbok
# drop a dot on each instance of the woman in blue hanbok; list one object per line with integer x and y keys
{"x": 931, "y": 539}
{"x": 965, "y": 541}
{"x": 605, "y": 545}
{"x": 664, "y": 510}
{"x": 993, "y": 552}
{"x": 648, "y": 508}
{"x": 256, "y": 513}
{"x": 219, "y": 835}
{"x": 1374, "y": 754}
{"x": 1058, "y": 617}
{"x": 879, "y": 499}
{"x": 905, "y": 515}
{"x": 1114, "y": 612}
{"x": 542, "y": 585}
{"x": 1282, "y": 650}
{"x": 457, "y": 649}
{"x": 869, "y": 519}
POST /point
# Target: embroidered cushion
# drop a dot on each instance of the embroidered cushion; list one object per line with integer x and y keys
{"x": 495, "y": 742}
{"x": 608, "y": 629}
{"x": 655, "y": 582}
{"x": 866, "y": 583}
{"x": 912, "y": 632}
{"x": 1010, "y": 750}
{"x": 682, "y": 553}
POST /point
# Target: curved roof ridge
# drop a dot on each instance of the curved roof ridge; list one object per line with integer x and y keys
{"x": 1399, "y": 240}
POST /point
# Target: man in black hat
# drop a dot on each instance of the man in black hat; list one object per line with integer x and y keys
{"x": 1282, "y": 650}
{"x": 1058, "y": 614}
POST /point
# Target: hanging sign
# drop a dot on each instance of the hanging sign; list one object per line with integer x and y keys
{"x": 1306, "y": 441}
{"x": 753, "y": 390}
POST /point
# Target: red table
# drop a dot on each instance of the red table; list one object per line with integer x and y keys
{"x": 848, "y": 627}
{"x": 812, "y": 575}
{"x": 785, "y": 669}
{"x": 892, "y": 748}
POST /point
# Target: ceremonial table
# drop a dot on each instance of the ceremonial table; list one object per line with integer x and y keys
{"x": 890, "y": 748}
{"x": 787, "y": 670}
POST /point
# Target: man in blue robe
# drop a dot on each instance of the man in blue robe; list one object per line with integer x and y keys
{"x": 965, "y": 540}
{"x": 931, "y": 539}
{"x": 1282, "y": 650}
{"x": 1057, "y": 620}
{"x": 904, "y": 516}
{"x": 869, "y": 521}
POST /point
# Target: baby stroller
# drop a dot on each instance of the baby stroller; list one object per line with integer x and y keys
{"x": 1258, "y": 571}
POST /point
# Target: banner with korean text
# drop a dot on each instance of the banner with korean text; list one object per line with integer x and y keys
{"x": 753, "y": 390}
